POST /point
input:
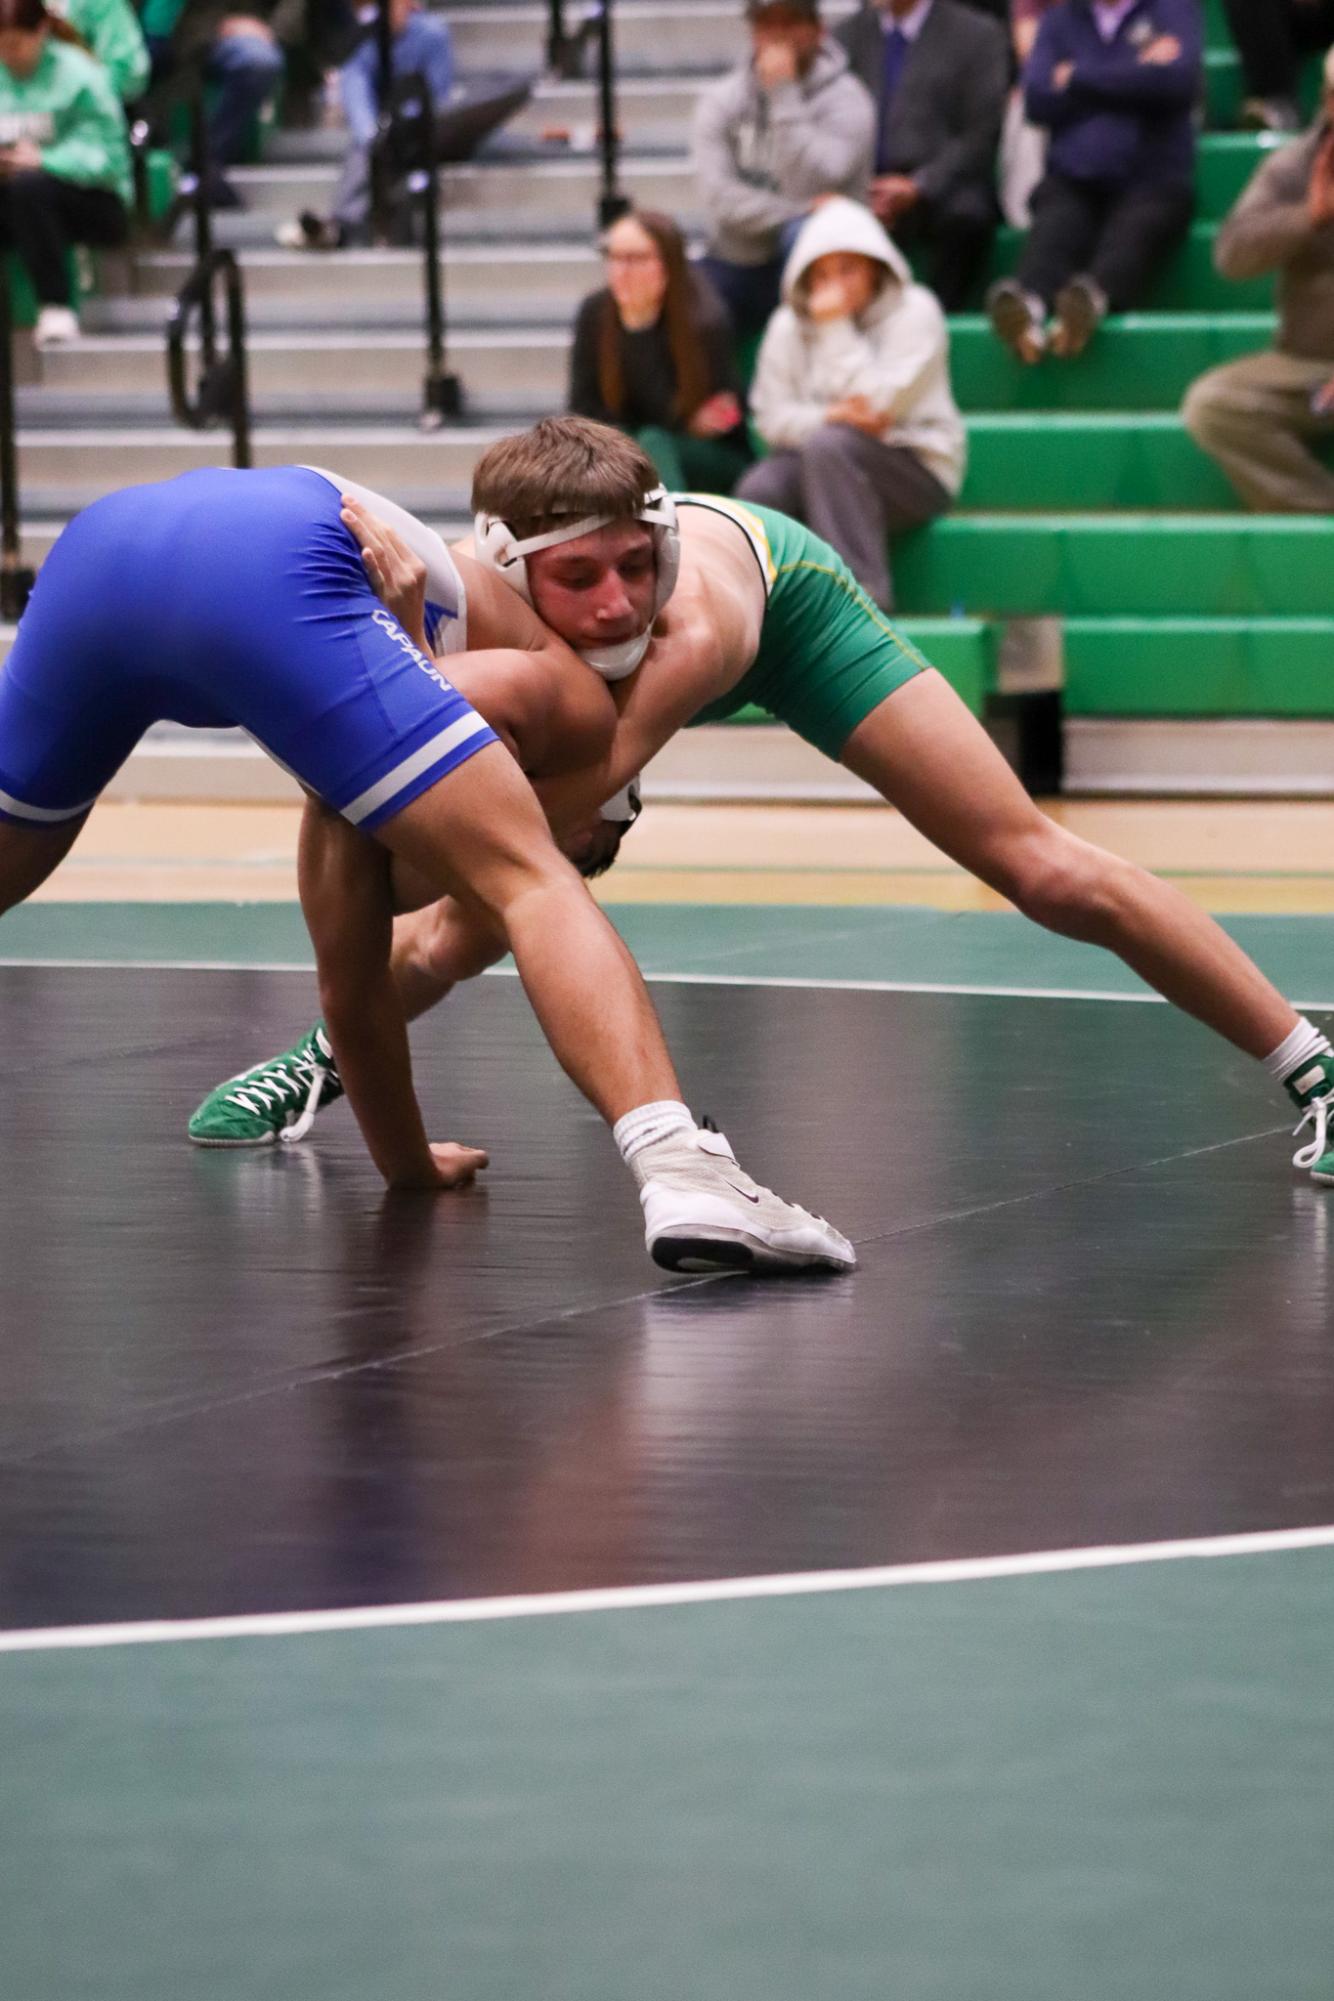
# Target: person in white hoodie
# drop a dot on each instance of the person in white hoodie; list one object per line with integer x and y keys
{"x": 852, "y": 396}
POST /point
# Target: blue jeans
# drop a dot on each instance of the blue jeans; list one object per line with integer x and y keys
{"x": 245, "y": 71}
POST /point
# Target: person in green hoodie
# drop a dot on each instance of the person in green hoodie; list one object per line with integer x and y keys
{"x": 64, "y": 157}
{"x": 109, "y": 30}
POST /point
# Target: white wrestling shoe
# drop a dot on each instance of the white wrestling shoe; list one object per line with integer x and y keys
{"x": 702, "y": 1212}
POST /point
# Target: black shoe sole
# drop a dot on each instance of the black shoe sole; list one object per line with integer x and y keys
{"x": 701, "y": 1254}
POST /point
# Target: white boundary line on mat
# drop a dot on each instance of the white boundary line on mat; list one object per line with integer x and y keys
{"x": 654, "y": 979}
{"x": 641, "y": 1597}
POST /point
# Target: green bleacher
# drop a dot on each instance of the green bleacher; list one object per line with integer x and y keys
{"x": 1086, "y": 501}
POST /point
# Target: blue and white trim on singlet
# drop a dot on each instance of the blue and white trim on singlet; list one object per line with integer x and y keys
{"x": 220, "y": 599}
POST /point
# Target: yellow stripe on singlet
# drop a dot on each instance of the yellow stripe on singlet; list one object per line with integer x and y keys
{"x": 750, "y": 525}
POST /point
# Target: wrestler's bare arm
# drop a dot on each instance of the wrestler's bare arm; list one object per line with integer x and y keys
{"x": 345, "y": 897}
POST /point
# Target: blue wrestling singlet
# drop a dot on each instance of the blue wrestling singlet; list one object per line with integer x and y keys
{"x": 213, "y": 599}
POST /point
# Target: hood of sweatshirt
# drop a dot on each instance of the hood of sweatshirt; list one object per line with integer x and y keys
{"x": 840, "y": 224}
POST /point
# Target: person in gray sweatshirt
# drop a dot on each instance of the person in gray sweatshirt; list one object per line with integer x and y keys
{"x": 1269, "y": 419}
{"x": 852, "y": 394}
{"x": 787, "y": 127}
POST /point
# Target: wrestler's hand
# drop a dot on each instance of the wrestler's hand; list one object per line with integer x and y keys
{"x": 449, "y": 1166}
{"x": 396, "y": 574}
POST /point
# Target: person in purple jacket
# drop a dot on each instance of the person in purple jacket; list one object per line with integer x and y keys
{"x": 1115, "y": 83}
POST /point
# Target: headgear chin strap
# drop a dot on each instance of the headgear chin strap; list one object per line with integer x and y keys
{"x": 498, "y": 547}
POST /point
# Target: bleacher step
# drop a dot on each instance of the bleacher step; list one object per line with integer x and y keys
{"x": 477, "y": 201}
{"x": 1200, "y": 667}
{"x": 1139, "y": 361}
{"x": 522, "y": 282}
{"x": 674, "y": 38}
{"x": 506, "y": 368}
{"x": 1232, "y": 758}
{"x": 1133, "y": 565}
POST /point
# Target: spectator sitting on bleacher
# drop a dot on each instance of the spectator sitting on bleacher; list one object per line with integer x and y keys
{"x": 852, "y": 392}
{"x": 240, "y": 58}
{"x": 110, "y": 30}
{"x": 1272, "y": 36}
{"x": 64, "y": 157}
{"x": 421, "y": 45}
{"x": 939, "y": 73}
{"x": 1115, "y": 82}
{"x": 653, "y": 355}
{"x": 1261, "y": 417}
{"x": 786, "y": 127}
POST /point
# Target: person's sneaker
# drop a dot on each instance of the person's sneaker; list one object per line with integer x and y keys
{"x": 1080, "y": 308}
{"x": 275, "y": 1100}
{"x": 1312, "y": 1092}
{"x": 1017, "y": 318}
{"x": 56, "y": 326}
{"x": 702, "y": 1213}
{"x": 1271, "y": 114}
{"x": 309, "y": 232}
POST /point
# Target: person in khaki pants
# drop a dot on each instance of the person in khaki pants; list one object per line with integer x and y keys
{"x": 1269, "y": 419}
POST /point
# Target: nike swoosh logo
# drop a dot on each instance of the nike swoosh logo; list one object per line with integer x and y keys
{"x": 742, "y": 1193}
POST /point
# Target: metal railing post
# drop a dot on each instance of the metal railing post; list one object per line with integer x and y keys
{"x": 15, "y": 580}
{"x": 203, "y": 221}
{"x": 223, "y": 388}
{"x": 382, "y": 147}
{"x": 561, "y": 51}
{"x": 611, "y": 202}
{"x": 442, "y": 392}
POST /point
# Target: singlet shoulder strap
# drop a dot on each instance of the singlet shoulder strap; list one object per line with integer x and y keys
{"x": 742, "y": 517}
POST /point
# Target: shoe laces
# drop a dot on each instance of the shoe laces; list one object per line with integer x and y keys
{"x": 289, "y": 1081}
{"x": 1318, "y": 1114}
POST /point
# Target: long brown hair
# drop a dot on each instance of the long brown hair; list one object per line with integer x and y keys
{"x": 680, "y": 310}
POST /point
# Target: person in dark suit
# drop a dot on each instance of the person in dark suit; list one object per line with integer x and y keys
{"x": 939, "y": 72}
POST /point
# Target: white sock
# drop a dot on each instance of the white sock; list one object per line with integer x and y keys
{"x": 1305, "y": 1042}
{"x": 648, "y": 1124}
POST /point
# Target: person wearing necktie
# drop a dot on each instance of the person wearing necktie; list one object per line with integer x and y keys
{"x": 939, "y": 72}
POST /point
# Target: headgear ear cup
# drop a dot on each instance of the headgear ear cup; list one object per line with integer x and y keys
{"x": 627, "y": 805}
{"x": 500, "y": 550}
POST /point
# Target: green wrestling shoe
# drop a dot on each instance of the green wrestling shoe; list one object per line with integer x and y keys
{"x": 1312, "y": 1092}
{"x": 275, "y": 1100}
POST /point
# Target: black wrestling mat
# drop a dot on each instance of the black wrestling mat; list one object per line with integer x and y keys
{"x": 1094, "y": 1306}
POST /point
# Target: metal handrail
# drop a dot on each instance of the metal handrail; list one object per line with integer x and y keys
{"x": 223, "y": 390}
{"x": 404, "y": 154}
{"x": 16, "y": 580}
{"x": 611, "y": 202}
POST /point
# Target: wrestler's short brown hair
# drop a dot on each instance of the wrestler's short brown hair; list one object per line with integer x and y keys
{"x": 562, "y": 469}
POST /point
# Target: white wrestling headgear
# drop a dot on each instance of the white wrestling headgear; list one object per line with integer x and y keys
{"x": 498, "y": 548}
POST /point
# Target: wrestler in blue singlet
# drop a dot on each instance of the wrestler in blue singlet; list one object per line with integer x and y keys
{"x": 213, "y": 599}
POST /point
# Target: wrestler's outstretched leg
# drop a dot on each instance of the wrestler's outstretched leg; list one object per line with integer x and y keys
{"x": 923, "y": 751}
